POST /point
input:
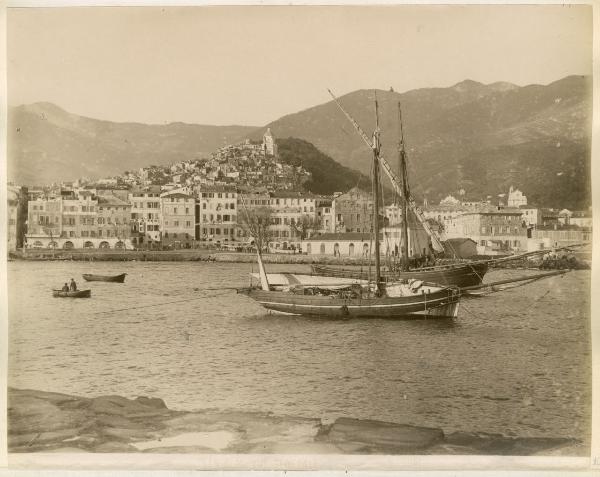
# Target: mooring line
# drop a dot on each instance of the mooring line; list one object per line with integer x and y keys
{"x": 167, "y": 302}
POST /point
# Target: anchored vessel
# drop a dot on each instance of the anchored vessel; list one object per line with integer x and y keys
{"x": 408, "y": 299}
{"x": 88, "y": 277}
{"x": 461, "y": 275}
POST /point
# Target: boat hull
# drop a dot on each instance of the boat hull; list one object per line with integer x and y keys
{"x": 88, "y": 277}
{"x": 439, "y": 304}
{"x": 72, "y": 294}
{"x": 463, "y": 275}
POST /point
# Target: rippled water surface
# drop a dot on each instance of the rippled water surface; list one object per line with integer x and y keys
{"x": 516, "y": 362}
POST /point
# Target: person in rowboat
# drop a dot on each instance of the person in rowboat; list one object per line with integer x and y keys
{"x": 65, "y": 288}
{"x": 73, "y": 286}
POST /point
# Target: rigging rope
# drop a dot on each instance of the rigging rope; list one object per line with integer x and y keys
{"x": 167, "y": 302}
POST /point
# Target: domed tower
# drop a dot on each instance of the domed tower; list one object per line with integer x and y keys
{"x": 269, "y": 145}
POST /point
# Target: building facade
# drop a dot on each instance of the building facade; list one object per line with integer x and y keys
{"x": 145, "y": 216}
{"x": 114, "y": 221}
{"x": 353, "y": 211}
{"x": 218, "y": 211}
{"x": 495, "y": 231}
{"x": 74, "y": 221}
{"x": 178, "y": 220}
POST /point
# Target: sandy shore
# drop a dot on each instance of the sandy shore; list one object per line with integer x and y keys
{"x": 51, "y": 422}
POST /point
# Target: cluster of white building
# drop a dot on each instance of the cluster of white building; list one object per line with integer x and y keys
{"x": 190, "y": 216}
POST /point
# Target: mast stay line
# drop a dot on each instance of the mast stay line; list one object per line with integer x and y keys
{"x": 394, "y": 179}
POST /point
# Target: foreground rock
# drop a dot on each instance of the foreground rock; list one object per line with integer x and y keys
{"x": 51, "y": 422}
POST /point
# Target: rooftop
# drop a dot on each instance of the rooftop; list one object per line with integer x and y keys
{"x": 112, "y": 200}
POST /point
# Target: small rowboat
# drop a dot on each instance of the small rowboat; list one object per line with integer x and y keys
{"x": 88, "y": 277}
{"x": 72, "y": 294}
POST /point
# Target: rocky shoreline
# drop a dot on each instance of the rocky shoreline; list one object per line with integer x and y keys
{"x": 41, "y": 421}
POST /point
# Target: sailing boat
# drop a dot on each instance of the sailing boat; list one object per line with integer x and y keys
{"x": 461, "y": 275}
{"x": 406, "y": 299}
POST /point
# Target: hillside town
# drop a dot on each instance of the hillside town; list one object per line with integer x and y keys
{"x": 205, "y": 203}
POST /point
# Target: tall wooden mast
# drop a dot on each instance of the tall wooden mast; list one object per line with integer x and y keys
{"x": 405, "y": 192}
{"x": 375, "y": 183}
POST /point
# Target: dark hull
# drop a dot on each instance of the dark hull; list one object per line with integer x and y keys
{"x": 439, "y": 304}
{"x": 463, "y": 275}
{"x": 72, "y": 294}
{"x": 103, "y": 278}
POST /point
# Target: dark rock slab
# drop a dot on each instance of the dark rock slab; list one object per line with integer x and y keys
{"x": 366, "y": 436}
{"x": 52, "y": 422}
{"x": 482, "y": 443}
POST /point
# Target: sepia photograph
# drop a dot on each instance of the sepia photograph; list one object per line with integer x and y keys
{"x": 298, "y": 234}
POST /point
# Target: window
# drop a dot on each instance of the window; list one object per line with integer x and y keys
{"x": 187, "y": 210}
{"x": 188, "y": 223}
{"x": 176, "y": 223}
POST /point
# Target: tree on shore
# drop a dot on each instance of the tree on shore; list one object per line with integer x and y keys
{"x": 256, "y": 222}
{"x": 305, "y": 226}
{"x": 50, "y": 229}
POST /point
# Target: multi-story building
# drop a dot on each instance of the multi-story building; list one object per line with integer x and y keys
{"x": 145, "y": 216}
{"x": 531, "y": 215}
{"x": 495, "y": 230}
{"x": 558, "y": 235}
{"x": 114, "y": 221}
{"x": 293, "y": 216}
{"x": 248, "y": 202}
{"x": 581, "y": 218}
{"x": 16, "y": 216}
{"x": 74, "y": 220}
{"x": 325, "y": 216}
{"x": 353, "y": 211}
{"x": 12, "y": 213}
{"x": 178, "y": 215}
{"x": 218, "y": 214}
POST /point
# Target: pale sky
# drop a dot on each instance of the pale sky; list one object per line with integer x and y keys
{"x": 251, "y": 65}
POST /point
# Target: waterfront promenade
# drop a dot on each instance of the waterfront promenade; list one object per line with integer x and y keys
{"x": 184, "y": 255}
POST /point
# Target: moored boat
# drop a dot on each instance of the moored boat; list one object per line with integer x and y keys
{"x": 72, "y": 294}
{"x": 339, "y": 296}
{"x": 430, "y": 302}
{"x": 88, "y": 277}
{"x": 462, "y": 275}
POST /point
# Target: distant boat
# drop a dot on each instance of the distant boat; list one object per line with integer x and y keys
{"x": 88, "y": 277}
{"x": 72, "y": 294}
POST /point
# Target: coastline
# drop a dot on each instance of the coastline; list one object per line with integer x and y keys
{"x": 40, "y": 421}
{"x": 192, "y": 255}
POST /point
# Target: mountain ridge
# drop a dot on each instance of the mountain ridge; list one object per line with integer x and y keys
{"x": 531, "y": 131}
